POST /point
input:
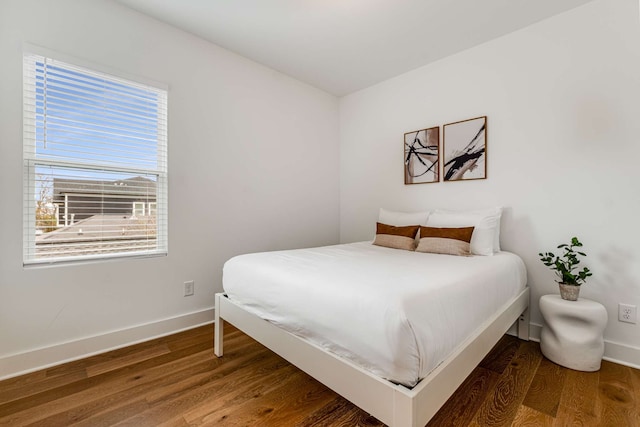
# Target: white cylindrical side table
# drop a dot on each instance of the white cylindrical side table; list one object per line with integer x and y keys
{"x": 572, "y": 332}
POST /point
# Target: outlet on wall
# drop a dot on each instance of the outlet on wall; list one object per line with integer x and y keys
{"x": 627, "y": 313}
{"x": 189, "y": 288}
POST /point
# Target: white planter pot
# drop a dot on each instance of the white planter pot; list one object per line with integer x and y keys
{"x": 569, "y": 292}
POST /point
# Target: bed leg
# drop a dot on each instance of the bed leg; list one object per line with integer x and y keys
{"x": 218, "y": 328}
{"x": 523, "y": 325}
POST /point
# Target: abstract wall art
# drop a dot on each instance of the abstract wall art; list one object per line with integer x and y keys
{"x": 465, "y": 150}
{"x": 421, "y": 156}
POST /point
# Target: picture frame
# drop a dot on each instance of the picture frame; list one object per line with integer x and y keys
{"x": 464, "y": 149}
{"x": 422, "y": 156}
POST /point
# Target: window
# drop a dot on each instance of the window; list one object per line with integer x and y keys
{"x": 144, "y": 209}
{"x": 95, "y": 164}
{"x": 138, "y": 209}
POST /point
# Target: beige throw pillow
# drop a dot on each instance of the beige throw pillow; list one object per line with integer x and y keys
{"x": 450, "y": 241}
{"x": 394, "y": 237}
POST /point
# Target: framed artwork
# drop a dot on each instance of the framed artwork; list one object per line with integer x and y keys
{"x": 465, "y": 150}
{"x": 421, "y": 156}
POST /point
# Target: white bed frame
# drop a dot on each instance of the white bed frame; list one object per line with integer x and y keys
{"x": 390, "y": 403}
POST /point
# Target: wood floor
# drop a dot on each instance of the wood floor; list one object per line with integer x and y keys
{"x": 177, "y": 381}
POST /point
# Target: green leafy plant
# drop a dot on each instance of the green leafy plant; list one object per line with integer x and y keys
{"x": 566, "y": 263}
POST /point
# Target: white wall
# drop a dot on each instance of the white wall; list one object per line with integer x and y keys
{"x": 562, "y": 99}
{"x": 253, "y": 165}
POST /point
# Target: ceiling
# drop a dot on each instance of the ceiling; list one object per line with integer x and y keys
{"x": 342, "y": 46}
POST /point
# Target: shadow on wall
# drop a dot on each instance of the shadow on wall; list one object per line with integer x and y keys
{"x": 517, "y": 236}
{"x": 617, "y": 278}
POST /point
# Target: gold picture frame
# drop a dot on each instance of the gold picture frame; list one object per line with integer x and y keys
{"x": 464, "y": 147}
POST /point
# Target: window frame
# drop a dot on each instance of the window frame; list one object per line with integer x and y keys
{"x": 30, "y": 161}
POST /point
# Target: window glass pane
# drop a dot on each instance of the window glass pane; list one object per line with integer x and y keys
{"x": 91, "y": 120}
{"x": 98, "y": 212}
{"x": 152, "y": 209}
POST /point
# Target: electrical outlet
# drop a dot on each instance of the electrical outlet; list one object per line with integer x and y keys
{"x": 627, "y": 313}
{"x": 189, "y": 288}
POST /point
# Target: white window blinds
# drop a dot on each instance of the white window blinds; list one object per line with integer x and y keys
{"x": 95, "y": 164}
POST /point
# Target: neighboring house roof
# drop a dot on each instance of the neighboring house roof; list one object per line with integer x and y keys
{"x": 99, "y": 235}
{"x": 102, "y": 228}
{"x": 132, "y": 187}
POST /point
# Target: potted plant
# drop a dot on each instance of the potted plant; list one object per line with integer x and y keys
{"x": 565, "y": 266}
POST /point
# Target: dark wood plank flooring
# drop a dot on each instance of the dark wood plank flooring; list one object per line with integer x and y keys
{"x": 177, "y": 381}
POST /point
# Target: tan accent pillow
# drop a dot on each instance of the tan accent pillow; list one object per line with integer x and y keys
{"x": 394, "y": 237}
{"x": 450, "y": 241}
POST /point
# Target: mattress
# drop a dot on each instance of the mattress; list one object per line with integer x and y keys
{"x": 397, "y": 314}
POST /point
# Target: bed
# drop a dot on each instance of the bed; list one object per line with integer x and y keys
{"x": 368, "y": 321}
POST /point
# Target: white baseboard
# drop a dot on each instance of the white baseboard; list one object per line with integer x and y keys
{"x": 534, "y": 332}
{"x": 613, "y": 352}
{"x": 42, "y": 358}
{"x": 622, "y": 354}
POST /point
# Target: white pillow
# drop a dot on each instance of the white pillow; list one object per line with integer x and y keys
{"x": 401, "y": 219}
{"x": 486, "y": 234}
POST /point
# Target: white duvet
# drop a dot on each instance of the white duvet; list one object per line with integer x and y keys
{"x": 396, "y": 313}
